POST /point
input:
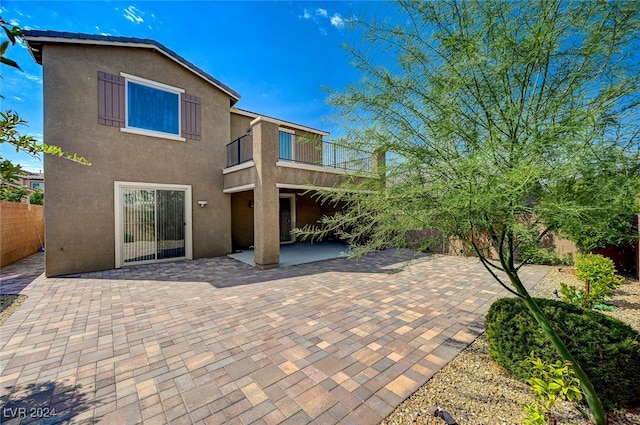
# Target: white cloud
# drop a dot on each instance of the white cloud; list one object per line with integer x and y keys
{"x": 337, "y": 21}
{"x": 33, "y": 78}
{"x": 19, "y": 99}
{"x": 318, "y": 17}
{"x": 134, "y": 15}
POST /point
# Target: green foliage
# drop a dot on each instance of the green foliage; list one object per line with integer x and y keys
{"x": 550, "y": 381}
{"x": 534, "y": 414}
{"x": 546, "y": 257}
{"x": 607, "y": 349}
{"x": 597, "y": 269}
{"x": 37, "y": 197}
{"x": 10, "y": 122}
{"x": 599, "y": 276}
{"x": 502, "y": 121}
{"x": 12, "y": 32}
{"x": 13, "y": 193}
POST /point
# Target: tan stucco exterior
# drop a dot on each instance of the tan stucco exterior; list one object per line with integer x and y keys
{"x": 84, "y": 212}
{"x": 240, "y": 125}
{"x": 80, "y": 199}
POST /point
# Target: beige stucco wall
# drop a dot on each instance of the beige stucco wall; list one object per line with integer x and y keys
{"x": 299, "y": 176}
{"x": 80, "y": 200}
{"x": 241, "y": 177}
{"x": 240, "y": 125}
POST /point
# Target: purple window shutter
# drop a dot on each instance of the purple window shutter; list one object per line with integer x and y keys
{"x": 110, "y": 99}
{"x": 190, "y": 117}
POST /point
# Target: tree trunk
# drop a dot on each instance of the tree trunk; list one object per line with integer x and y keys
{"x": 595, "y": 405}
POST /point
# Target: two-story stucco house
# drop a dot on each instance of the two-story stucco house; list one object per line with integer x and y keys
{"x": 177, "y": 171}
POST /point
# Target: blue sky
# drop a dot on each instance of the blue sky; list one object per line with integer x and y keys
{"x": 277, "y": 54}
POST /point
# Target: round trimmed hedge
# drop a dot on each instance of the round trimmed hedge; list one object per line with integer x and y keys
{"x": 607, "y": 349}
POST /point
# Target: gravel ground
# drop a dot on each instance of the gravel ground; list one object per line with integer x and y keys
{"x": 475, "y": 391}
{"x": 8, "y": 304}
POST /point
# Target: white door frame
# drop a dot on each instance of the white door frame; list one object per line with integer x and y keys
{"x": 119, "y": 217}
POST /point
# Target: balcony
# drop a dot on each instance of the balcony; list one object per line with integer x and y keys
{"x": 240, "y": 150}
{"x": 318, "y": 153}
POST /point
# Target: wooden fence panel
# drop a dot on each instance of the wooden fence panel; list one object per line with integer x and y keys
{"x": 21, "y": 231}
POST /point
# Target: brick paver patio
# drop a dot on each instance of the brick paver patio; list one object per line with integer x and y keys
{"x": 216, "y": 341}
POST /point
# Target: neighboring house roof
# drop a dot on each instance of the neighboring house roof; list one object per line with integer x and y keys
{"x": 36, "y": 39}
{"x": 28, "y": 175}
{"x": 289, "y": 124}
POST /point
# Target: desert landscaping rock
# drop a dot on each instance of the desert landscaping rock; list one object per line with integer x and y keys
{"x": 8, "y": 304}
{"x": 475, "y": 391}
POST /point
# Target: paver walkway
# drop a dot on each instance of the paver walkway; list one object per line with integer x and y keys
{"x": 216, "y": 341}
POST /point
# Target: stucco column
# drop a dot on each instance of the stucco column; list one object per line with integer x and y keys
{"x": 266, "y": 195}
{"x": 379, "y": 161}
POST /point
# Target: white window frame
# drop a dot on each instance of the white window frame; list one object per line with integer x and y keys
{"x": 158, "y": 86}
{"x": 293, "y": 143}
{"x": 119, "y": 218}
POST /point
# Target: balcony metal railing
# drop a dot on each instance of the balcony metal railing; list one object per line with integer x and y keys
{"x": 331, "y": 155}
{"x": 324, "y": 154}
{"x": 240, "y": 150}
{"x": 341, "y": 157}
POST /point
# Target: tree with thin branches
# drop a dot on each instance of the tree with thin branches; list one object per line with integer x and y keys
{"x": 502, "y": 122}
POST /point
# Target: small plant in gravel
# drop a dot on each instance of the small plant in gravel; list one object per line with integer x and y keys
{"x": 550, "y": 381}
{"x": 600, "y": 281}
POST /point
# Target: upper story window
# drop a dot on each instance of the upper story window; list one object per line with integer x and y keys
{"x": 286, "y": 147}
{"x": 152, "y": 107}
{"x": 146, "y": 107}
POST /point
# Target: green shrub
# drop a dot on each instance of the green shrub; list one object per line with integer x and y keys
{"x": 598, "y": 270}
{"x": 607, "y": 349}
{"x": 549, "y": 381}
{"x": 37, "y": 197}
{"x": 545, "y": 257}
{"x": 600, "y": 279}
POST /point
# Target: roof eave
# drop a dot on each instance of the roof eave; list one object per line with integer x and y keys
{"x": 278, "y": 121}
{"x": 36, "y": 39}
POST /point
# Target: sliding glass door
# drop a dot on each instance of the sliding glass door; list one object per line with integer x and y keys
{"x": 154, "y": 224}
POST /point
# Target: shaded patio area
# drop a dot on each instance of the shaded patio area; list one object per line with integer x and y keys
{"x": 299, "y": 253}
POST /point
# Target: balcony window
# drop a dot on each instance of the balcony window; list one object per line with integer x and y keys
{"x": 286, "y": 145}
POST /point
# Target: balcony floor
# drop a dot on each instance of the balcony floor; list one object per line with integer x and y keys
{"x": 299, "y": 253}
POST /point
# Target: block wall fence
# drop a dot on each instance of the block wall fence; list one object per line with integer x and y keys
{"x": 21, "y": 231}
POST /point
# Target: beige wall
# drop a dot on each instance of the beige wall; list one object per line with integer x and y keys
{"x": 21, "y": 231}
{"x": 240, "y": 178}
{"x": 240, "y": 125}
{"x": 80, "y": 200}
{"x": 290, "y": 175}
